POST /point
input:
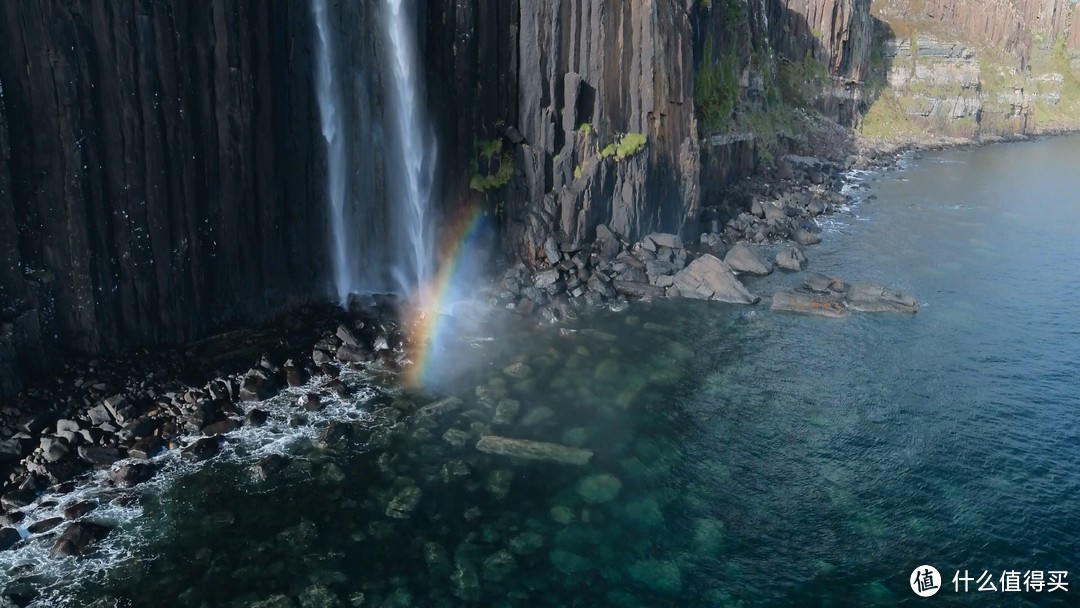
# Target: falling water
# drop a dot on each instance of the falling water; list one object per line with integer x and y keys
{"x": 333, "y": 130}
{"x": 413, "y": 172}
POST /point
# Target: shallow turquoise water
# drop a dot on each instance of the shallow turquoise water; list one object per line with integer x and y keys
{"x": 742, "y": 458}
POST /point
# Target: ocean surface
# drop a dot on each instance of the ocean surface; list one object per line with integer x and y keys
{"x": 741, "y": 457}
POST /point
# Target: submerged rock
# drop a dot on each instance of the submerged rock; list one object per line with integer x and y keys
{"x": 268, "y": 465}
{"x": 404, "y": 503}
{"x": 597, "y": 489}
{"x": 533, "y": 450}
{"x": 657, "y": 575}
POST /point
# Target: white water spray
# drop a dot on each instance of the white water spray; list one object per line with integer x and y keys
{"x": 333, "y": 130}
{"x": 413, "y": 239}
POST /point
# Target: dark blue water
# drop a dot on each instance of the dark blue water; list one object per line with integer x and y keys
{"x": 742, "y": 457}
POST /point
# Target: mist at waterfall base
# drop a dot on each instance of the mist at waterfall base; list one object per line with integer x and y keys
{"x": 381, "y": 240}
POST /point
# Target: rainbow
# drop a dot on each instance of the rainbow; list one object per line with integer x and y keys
{"x": 426, "y": 324}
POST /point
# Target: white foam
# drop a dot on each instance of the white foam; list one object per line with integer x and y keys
{"x": 58, "y": 580}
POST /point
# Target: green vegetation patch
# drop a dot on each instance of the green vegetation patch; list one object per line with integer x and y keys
{"x": 716, "y": 90}
{"x": 624, "y": 146}
{"x": 490, "y": 152}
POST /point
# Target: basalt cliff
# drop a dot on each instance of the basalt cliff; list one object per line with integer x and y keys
{"x": 162, "y": 170}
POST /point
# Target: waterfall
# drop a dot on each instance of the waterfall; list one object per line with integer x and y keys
{"x": 413, "y": 172}
{"x": 380, "y": 148}
{"x": 331, "y": 114}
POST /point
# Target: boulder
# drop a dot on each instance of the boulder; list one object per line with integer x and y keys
{"x": 346, "y": 336}
{"x": 100, "y": 456}
{"x": 220, "y": 427}
{"x": 804, "y": 237}
{"x": 551, "y": 251}
{"x": 257, "y": 386}
{"x": 742, "y": 258}
{"x": 129, "y": 475}
{"x": 15, "y": 449}
{"x": 533, "y": 450}
{"x": 77, "y": 510}
{"x": 146, "y": 448}
{"x": 8, "y": 538}
{"x": 817, "y": 304}
{"x": 78, "y": 538}
{"x": 791, "y": 258}
{"x": 202, "y": 449}
{"x": 347, "y": 353}
{"x": 709, "y": 278}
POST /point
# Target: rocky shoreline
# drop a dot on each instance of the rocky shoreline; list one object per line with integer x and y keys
{"x": 118, "y": 416}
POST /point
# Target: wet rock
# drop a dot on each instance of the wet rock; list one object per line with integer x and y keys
{"x": 333, "y": 433}
{"x": 132, "y": 474}
{"x": 8, "y": 538}
{"x": 78, "y": 538}
{"x": 311, "y": 402}
{"x": 351, "y": 354}
{"x": 403, "y": 503}
{"x": 597, "y": 489}
{"x": 12, "y": 518}
{"x": 791, "y": 258}
{"x": 709, "y": 278}
{"x": 44, "y": 525}
{"x": 804, "y": 237}
{"x": 100, "y": 456}
{"x": 546, "y": 278}
{"x": 864, "y": 297}
{"x": 743, "y": 258}
{"x": 256, "y": 417}
{"x": 202, "y": 449}
{"x": 18, "y": 498}
{"x": 268, "y": 465}
{"x": 146, "y": 448}
{"x": 817, "y": 304}
{"x": 295, "y": 376}
{"x": 257, "y": 386}
{"x": 220, "y": 427}
{"x": 346, "y": 336}
{"x": 533, "y": 450}
{"x": 77, "y": 510}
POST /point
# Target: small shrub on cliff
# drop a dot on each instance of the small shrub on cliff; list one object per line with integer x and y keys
{"x": 489, "y": 151}
{"x": 624, "y": 146}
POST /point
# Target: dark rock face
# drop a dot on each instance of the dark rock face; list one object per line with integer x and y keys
{"x": 570, "y": 78}
{"x": 159, "y": 173}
